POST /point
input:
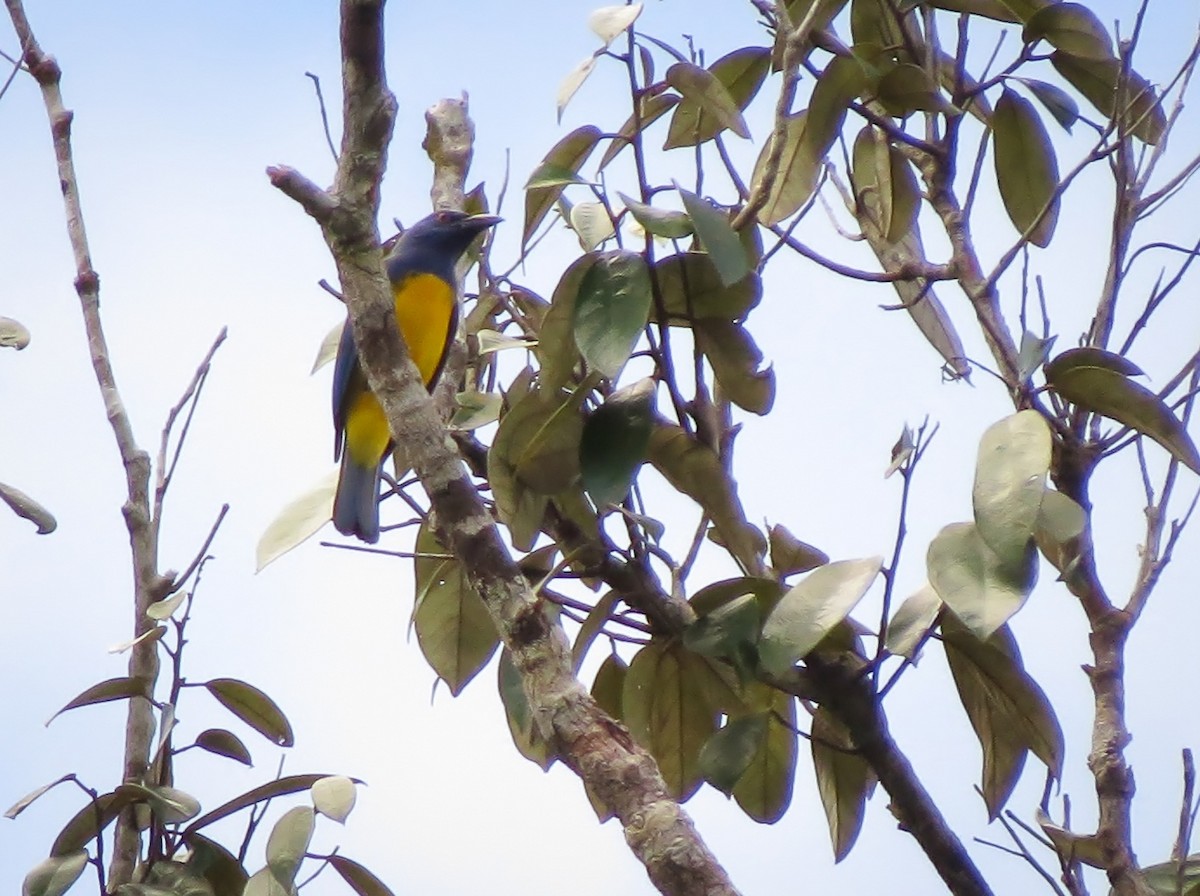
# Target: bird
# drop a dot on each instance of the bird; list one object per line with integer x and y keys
{"x": 421, "y": 268}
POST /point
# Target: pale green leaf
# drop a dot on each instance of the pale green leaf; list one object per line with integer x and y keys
{"x": 1010, "y": 479}
{"x": 610, "y": 22}
{"x": 334, "y": 797}
{"x": 55, "y": 875}
{"x": 288, "y": 842}
{"x": 980, "y": 588}
{"x": 328, "y": 349}
{"x": 812, "y": 608}
{"x": 301, "y": 519}
{"x": 912, "y": 621}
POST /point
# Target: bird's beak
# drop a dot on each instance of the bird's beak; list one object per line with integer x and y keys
{"x": 480, "y": 223}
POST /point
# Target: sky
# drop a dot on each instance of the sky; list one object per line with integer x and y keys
{"x": 178, "y": 112}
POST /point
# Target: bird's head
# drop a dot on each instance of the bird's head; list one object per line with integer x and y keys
{"x": 445, "y": 234}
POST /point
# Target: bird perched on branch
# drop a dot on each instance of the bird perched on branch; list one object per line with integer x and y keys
{"x": 421, "y": 268}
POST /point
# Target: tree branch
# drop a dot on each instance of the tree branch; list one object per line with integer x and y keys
{"x": 143, "y": 528}
{"x": 601, "y": 751}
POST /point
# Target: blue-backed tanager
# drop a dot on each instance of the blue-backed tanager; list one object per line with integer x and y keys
{"x": 421, "y": 268}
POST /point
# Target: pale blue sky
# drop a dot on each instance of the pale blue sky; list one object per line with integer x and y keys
{"x": 179, "y": 109}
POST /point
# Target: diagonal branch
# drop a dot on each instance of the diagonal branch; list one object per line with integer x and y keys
{"x": 601, "y": 751}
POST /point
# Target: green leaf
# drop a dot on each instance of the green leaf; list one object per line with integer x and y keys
{"x": 217, "y": 865}
{"x": 263, "y": 883}
{"x": 288, "y": 842}
{"x": 539, "y": 439}
{"x": 908, "y": 88}
{"x": 55, "y": 875}
{"x": 559, "y": 168}
{"x": 527, "y": 737}
{"x": 279, "y": 787}
{"x": 170, "y": 805}
{"x": 727, "y": 630}
{"x": 790, "y": 555}
{"x": 556, "y": 350}
{"x": 764, "y": 790}
{"x": 1056, "y": 100}
{"x": 796, "y": 177}
{"x": 591, "y": 627}
{"x": 717, "y": 237}
{"x": 843, "y": 80}
{"x": 713, "y": 98}
{"x": 614, "y": 442}
{"x": 844, "y": 780}
{"x": 885, "y": 186}
{"x": 695, "y": 470}
{"x": 716, "y": 595}
{"x": 475, "y": 409}
{"x": 1007, "y": 709}
{"x": 1026, "y": 168}
{"x": 26, "y": 801}
{"x": 1165, "y": 878}
{"x": 736, "y": 361}
{"x": 254, "y": 708}
{"x": 876, "y": 22}
{"x": 360, "y": 879}
{"x": 990, "y": 9}
{"x": 667, "y": 712}
{"x": 912, "y": 621}
{"x": 1010, "y": 480}
{"x": 664, "y": 222}
{"x": 608, "y": 688}
{"x": 104, "y": 691}
{"x": 728, "y": 753}
{"x": 224, "y": 743}
{"x": 1072, "y": 28}
{"x": 980, "y": 588}
{"x": 1060, "y": 521}
{"x": 334, "y": 797}
{"x": 692, "y": 289}
{"x": 455, "y": 631}
{"x": 1023, "y": 10}
{"x": 1124, "y": 96}
{"x": 651, "y": 107}
{"x": 1098, "y": 381}
{"x": 90, "y": 821}
{"x": 811, "y": 610}
{"x": 611, "y": 309}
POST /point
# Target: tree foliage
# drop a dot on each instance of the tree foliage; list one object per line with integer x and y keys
{"x": 603, "y": 428}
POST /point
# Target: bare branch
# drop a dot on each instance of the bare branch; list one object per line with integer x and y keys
{"x": 148, "y": 583}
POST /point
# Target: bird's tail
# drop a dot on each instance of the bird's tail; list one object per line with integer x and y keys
{"x": 356, "y": 502}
